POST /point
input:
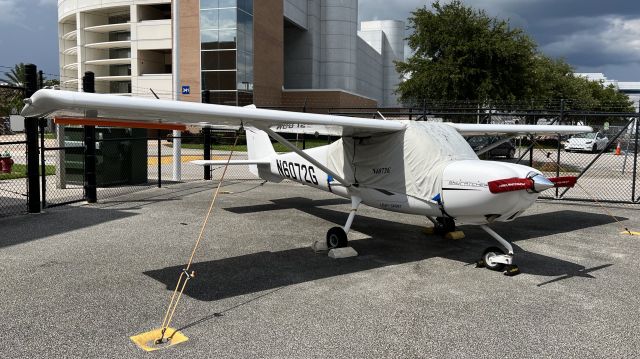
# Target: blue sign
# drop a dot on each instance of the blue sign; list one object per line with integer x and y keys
{"x": 186, "y": 90}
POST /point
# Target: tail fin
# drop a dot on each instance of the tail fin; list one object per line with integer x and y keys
{"x": 258, "y": 147}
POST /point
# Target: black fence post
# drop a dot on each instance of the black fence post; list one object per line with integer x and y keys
{"x": 558, "y": 156}
{"x": 635, "y": 159}
{"x": 42, "y": 124}
{"x": 207, "y": 152}
{"x": 90, "y": 177}
{"x": 31, "y": 130}
{"x": 43, "y": 166}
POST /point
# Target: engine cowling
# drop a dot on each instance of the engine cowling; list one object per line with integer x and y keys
{"x": 477, "y": 192}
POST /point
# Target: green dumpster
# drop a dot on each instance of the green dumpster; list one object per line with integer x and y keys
{"x": 121, "y": 156}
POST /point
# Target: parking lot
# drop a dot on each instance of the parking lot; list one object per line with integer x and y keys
{"x": 79, "y": 280}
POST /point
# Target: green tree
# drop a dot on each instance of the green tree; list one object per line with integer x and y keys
{"x": 463, "y": 54}
{"x": 10, "y": 99}
{"x": 554, "y": 79}
{"x": 16, "y": 76}
{"x": 51, "y": 82}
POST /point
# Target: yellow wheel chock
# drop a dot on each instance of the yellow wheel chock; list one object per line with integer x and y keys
{"x": 147, "y": 341}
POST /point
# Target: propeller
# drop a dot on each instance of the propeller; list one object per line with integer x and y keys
{"x": 536, "y": 183}
{"x": 566, "y": 181}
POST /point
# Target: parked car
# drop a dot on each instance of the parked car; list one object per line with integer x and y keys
{"x": 506, "y": 149}
{"x": 591, "y": 142}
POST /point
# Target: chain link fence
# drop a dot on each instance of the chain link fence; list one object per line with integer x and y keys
{"x": 13, "y": 174}
{"x": 13, "y": 149}
{"x": 129, "y": 160}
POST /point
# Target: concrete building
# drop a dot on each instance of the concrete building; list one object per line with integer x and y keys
{"x": 267, "y": 52}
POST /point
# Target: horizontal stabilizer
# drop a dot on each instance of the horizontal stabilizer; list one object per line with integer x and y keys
{"x": 232, "y": 162}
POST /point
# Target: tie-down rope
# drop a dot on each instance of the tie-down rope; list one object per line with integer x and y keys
{"x": 185, "y": 275}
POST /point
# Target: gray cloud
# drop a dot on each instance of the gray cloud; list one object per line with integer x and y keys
{"x": 11, "y": 11}
{"x": 592, "y": 35}
{"x": 29, "y": 34}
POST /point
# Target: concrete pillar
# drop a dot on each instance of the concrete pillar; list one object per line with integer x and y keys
{"x": 339, "y": 27}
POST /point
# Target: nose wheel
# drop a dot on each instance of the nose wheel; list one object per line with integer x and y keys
{"x": 489, "y": 259}
{"x": 496, "y": 259}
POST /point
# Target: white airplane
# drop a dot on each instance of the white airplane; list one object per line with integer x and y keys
{"x": 401, "y": 166}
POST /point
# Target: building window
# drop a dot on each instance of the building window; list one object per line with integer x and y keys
{"x": 119, "y": 36}
{"x": 119, "y": 18}
{"x": 120, "y": 70}
{"x": 226, "y": 44}
{"x": 120, "y": 87}
{"x": 219, "y": 80}
{"x": 119, "y": 53}
{"x": 218, "y": 60}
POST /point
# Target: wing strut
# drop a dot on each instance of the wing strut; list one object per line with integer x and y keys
{"x": 305, "y": 155}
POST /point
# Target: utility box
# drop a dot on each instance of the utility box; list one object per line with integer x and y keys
{"x": 121, "y": 156}
{"x": 16, "y": 122}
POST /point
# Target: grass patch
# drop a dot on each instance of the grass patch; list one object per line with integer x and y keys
{"x": 20, "y": 171}
{"x": 243, "y": 148}
{"x": 50, "y": 136}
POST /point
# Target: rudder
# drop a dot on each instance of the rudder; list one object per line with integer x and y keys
{"x": 258, "y": 147}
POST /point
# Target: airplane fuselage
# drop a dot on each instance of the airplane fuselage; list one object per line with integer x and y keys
{"x": 464, "y": 192}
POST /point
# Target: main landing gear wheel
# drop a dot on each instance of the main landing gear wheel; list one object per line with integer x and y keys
{"x": 337, "y": 238}
{"x": 445, "y": 225}
{"x": 487, "y": 261}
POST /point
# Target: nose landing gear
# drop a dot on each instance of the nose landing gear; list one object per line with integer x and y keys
{"x": 495, "y": 258}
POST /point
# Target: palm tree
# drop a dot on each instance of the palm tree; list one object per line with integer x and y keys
{"x": 16, "y": 76}
{"x": 11, "y": 100}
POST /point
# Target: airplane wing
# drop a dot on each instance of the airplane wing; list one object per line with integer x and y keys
{"x": 472, "y": 129}
{"x": 45, "y": 102}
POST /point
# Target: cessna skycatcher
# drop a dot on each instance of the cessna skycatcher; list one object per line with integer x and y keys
{"x": 402, "y": 166}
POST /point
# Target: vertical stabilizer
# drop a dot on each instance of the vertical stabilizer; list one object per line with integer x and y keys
{"x": 258, "y": 147}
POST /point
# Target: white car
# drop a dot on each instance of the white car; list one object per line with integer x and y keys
{"x": 591, "y": 142}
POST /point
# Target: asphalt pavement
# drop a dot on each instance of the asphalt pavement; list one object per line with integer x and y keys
{"x": 77, "y": 281}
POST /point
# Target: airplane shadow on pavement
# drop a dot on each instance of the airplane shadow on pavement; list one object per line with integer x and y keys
{"x": 390, "y": 243}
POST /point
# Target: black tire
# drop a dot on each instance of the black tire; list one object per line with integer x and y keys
{"x": 594, "y": 149}
{"x": 446, "y": 224}
{"x": 511, "y": 153}
{"x": 488, "y": 253}
{"x": 336, "y": 238}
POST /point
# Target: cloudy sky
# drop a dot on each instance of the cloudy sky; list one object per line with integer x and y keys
{"x": 592, "y": 35}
